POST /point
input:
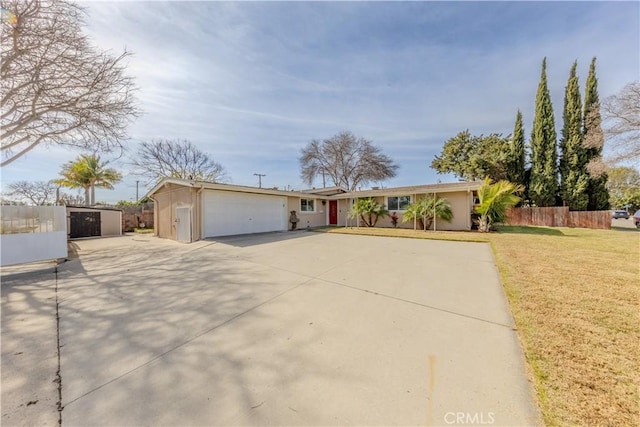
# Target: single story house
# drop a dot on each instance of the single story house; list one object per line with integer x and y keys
{"x": 187, "y": 211}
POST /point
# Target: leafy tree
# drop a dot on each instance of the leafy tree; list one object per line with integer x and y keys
{"x": 629, "y": 199}
{"x": 621, "y": 113}
{"x": 129, "y": 203}
{"x": 594, "y": 142}
{"x": 56, "y": 88}
{"x": 88, "y": 172}
{"x": 36, "y": 193}
{"x": 179, "y": 159}
{"x": 544, "y": 181}
{"x": 574, "y": 177}
{"x": 369, "y": 211}
{"x": 347, "y": 160}
{"x": 474, "y": 157}
{"x": 424, "y": 208}
{"x": 495, "y": 200}
{"x": 517, "y": 154}
{"x": 623, "y": 185}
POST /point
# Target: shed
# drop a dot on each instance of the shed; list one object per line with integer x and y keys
{"x": 86, "y": 221}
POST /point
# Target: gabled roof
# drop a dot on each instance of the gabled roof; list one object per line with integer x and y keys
{"x": 326, "y": 191}
{"x": 393, "y": 191}
{"x": 223, "y": 187}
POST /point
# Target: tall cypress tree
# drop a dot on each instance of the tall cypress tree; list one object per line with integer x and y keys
{"x": 573, "y": 161}
{"x": 544, "y": 180}
{"x": 517, "y": 153}
{"x": 596, "y": 187}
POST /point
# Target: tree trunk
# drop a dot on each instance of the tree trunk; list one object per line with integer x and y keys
{"x": 87, "y": 199}
{"x": 93, "y": 194}
{"x": 484, "y": 225}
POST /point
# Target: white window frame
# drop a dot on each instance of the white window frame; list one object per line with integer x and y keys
{"x": 398, "y": 197}
{"x": 308, "y": 200}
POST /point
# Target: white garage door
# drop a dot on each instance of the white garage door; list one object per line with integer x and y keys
{"x": 227, "y": 213}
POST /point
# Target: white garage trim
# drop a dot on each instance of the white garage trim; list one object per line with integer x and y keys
{"x": 227, "y": 213}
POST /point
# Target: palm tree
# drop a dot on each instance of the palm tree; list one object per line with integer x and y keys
{"x": 369, "y": 211}
{"x": 423, "y": 211}
{"x": 73, "y": 176}
{"x": 495, "y": 200}
{"x": 88, "y": 172}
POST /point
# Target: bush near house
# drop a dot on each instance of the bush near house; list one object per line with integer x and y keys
{"x": 423, "y": 211}
{"x": 369, "y": 211}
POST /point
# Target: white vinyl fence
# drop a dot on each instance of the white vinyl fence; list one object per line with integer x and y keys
{"x": 32, "y": 233}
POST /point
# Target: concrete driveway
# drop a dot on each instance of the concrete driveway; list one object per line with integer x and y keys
{"x": 286, "y": 329}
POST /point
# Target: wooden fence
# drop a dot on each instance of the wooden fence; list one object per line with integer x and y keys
{"x": 134, "y": 217}
{"x": 559, "y": 217}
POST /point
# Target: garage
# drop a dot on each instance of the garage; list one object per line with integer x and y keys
{"x": 227, "y": 213}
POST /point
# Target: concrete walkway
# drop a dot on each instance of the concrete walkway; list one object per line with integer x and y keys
{"x": 288, "y": 329}
{"x": 29, "y": 346}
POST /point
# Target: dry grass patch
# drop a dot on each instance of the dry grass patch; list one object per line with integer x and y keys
{"x": 575, "y": 297}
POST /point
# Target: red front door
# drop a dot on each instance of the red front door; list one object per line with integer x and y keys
{"x": 333, "y": 212}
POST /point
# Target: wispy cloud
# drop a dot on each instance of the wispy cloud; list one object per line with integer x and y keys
{"x": 252, "y": 82}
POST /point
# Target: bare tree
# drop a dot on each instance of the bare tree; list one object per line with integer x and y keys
{"x": 55, "y": 87}
{"x": 71, "y": 199}
{"x": 35, "y": 193}
{"x": 594, "y": 139}
{"x": 176, "y": 159}
{"x": 621, "y": 114}
{"x": 347, "y": 160}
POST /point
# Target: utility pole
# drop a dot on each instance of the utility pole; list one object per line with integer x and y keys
{"x": 259, "y": 175}
{"x": 137, "y": 191}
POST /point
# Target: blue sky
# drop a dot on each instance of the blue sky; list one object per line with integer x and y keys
{"x": 252, "y": 83}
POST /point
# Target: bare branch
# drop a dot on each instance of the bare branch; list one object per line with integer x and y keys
{"x": 55, "y": 88}
{"x": 621, "y": 114}
{"x": 597, "y": 167}
{"x": 347, "y": 160}
{"x": 176, "y": 159}
{"x": 34, "y": 193}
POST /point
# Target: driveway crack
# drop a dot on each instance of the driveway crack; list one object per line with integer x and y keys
{"x": 431, "y": 307}
{"x": 58, "y": 378}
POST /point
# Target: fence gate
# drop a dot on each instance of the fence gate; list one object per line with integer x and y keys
{"x": 84, "y": 224}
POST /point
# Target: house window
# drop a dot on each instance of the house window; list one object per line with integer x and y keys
{"x": 307, "y": 205}
{"x": 398, "y": 203}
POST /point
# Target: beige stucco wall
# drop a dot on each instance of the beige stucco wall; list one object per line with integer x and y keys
{"x": 343, "y": 212}
{"x": 167, "y": 199}
{"x": 110, "y": 220}
{"x": 307, "y": 219}
{"x": 460, "y": 205}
